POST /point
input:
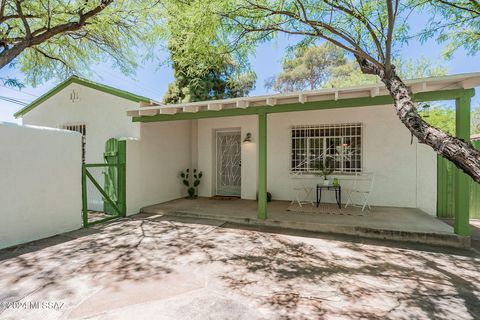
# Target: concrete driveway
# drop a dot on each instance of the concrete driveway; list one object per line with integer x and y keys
{"x": 151, "y": 267}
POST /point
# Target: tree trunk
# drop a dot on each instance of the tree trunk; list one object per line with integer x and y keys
{"x": 461, "y": 153}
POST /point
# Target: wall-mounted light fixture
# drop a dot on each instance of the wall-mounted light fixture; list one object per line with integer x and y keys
{"x": 248, "y": 138}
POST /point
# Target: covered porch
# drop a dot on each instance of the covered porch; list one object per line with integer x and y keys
{"x": 324, "y": 106}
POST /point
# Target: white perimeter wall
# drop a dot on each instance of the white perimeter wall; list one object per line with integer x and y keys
{"x": 154, "y": 163}
{"x": 40, "y": 183}
{"x": 104, "y": 116}
{"x": 405, "y": 173}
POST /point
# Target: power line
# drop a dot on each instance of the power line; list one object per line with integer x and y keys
{"x": 12, "y": 100}
{"x": 132, "y": 82}
{"x": 19, "y": 91}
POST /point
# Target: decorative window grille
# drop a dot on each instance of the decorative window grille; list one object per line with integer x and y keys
{"x": 81, "y": 128}
{"x": 338, "y": 146}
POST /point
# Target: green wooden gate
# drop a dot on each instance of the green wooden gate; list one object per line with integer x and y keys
{"x": 446, "y": 190}
{"x": 114, "y": 190}
{"x": 110, "y": 156}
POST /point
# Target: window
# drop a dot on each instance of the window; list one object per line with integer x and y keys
{"x": 81, "y": 128}
{"x": 338, "y": 146}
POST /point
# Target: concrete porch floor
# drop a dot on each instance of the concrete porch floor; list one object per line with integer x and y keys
{"x": 405, "y": 224}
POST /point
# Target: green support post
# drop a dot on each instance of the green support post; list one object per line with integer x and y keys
{"x": 262, "y": 166}
{"x": 84, "y": 196}
{"x": 462, "y": 181}
{"x": 122, "y": 172}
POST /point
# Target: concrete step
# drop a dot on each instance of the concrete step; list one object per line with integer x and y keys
{"x": 437, "y": 239}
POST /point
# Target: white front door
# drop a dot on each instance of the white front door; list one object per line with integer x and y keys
{"x": 228, "y": 162}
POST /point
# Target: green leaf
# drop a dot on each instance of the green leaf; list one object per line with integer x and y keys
{"x": 120, "y": 34}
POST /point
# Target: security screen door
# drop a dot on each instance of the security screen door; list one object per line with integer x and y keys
{"x": 228, "y": 162}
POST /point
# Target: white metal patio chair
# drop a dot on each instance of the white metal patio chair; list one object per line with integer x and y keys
{"x": 302, "y": 193}
{"x": 362, "y": 186}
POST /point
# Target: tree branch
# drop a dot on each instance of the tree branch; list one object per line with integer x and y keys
{"x": 475, "y": 4}
{"x": 37, "y": 37}
{"x": 28, "y": 33}
{"x": 46, "y": 55}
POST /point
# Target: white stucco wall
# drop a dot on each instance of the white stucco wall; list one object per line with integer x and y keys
{"x": 387, "y": 152}
{"x": 40, "y": 183}
{"x": 206, "y": 153}
{"x": 154, "y": 163}
{"x": 104, "y": 116}
{"x": 405, "y": 173}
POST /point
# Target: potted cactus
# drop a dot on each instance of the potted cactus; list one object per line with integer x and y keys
{"x": 191, "y": 184}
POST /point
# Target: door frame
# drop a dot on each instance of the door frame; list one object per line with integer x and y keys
{"x": 215, "y": 166}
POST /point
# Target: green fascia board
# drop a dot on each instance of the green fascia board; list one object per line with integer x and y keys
{"x": 318, "y": 105}
{"x": 84, "y": 82}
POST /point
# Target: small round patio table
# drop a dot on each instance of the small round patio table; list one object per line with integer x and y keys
{"x": 338, "y": 193}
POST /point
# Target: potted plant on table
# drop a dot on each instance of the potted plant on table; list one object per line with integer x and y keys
{"x": 326, "y": 169}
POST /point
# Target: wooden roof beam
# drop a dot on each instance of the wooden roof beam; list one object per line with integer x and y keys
{"x": 191, "y": 108}
{"x": 168, "y": 110}
{"x": 215, "y": 106}
{"x": 243, "y": 104}
{"x": 271, "y": 101}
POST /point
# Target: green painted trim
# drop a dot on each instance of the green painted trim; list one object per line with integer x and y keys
{"x": 122, "y": 177}
{"x": 84, "y": 197}
{"x": 462, "y": 181}
{"x": 103, "y": 193}
{"x": 262, "y": 166}
{"x": 443, "y": 95}
{"x": 120, "y": 207}
{"x": 102, "y": 220}
{"x": 99, "y": 165}
{"x": 440, "y": 186}
{"x": 331, "y": 104}
{"x": 84, "y": 82}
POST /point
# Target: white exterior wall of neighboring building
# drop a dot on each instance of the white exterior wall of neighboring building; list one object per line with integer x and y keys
{"x": 154, "y": 163}
{"x": 104, "y": 116}
{"x": 405, "y": 172}
{"x": 40, "y": 184}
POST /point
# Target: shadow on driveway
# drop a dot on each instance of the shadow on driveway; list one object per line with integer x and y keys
{"x": 145, "y": 265}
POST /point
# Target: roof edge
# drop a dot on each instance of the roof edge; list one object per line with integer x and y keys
{"x": 84, "y": 82}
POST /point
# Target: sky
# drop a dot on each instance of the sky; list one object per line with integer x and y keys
{"x": 152, "y": 78}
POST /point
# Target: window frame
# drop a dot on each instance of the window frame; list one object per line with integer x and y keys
{"x": 301, "y": 144}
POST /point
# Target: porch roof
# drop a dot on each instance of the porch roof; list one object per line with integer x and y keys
{"x": 156, "y": 111}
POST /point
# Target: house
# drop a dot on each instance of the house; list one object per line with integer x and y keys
{"x": 248, "y": 146}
